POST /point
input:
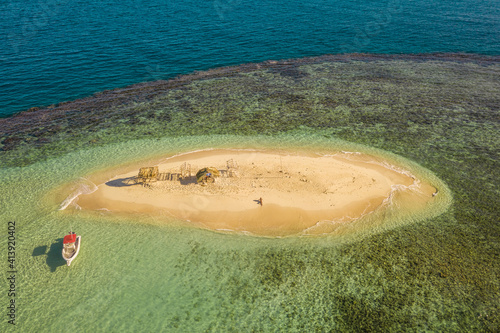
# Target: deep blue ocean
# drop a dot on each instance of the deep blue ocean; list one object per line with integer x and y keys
{"x": 57, "y": 50}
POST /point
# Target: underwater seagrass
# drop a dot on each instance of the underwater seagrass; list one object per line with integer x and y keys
{"x": 437, "y": 274}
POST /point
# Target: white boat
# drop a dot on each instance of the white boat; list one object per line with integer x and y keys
{"x": 71, "y": 246}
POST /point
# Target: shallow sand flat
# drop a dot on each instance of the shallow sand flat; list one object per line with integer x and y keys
{"x": 297, "y": 191}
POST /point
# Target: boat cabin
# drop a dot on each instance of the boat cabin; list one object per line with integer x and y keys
{"x": 69, "y": 243}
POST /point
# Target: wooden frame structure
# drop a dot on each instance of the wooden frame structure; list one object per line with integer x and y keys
{"x": 147, "y": 175}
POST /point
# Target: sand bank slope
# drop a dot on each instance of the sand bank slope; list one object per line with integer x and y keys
{"x": 296, "y": 191}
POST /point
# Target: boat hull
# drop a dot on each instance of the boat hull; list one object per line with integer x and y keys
{"x": 70, "y": 257}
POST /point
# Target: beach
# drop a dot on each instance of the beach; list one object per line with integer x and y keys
{"x": 261, "y": 192}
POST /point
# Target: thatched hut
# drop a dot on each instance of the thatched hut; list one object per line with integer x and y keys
{"x": 147, "y": 174}
{"x": 207, "y": 175}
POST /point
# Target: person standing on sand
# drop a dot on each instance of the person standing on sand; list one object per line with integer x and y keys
{"x": 260, "y": 201}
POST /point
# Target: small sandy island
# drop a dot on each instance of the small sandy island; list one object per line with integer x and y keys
{"x": 260, "y": 192}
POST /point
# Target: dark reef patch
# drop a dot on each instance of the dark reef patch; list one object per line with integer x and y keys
{"x": 356, "y": 90}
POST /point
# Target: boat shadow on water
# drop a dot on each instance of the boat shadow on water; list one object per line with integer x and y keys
{"x": 54, "y": 258}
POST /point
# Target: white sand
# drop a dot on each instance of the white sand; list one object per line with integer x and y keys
{"x": 297, "y": 191}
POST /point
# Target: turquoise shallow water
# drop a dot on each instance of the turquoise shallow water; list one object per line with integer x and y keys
{"x": 438, "y": 273}
{"x": 167, "y": 276}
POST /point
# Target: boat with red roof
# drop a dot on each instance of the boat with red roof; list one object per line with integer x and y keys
{"x": 71, "y": 247}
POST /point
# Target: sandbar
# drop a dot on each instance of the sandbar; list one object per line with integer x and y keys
{"x": 263, "y": 193}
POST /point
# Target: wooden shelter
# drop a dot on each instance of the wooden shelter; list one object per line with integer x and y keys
{"x": 232, "y": 168}
{"x": 147, "y": 174}
{"x": 207, "y": 175}
{"x": 185, "y": 170}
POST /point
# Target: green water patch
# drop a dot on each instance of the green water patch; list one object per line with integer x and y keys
{"x": 439, "y": 273}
